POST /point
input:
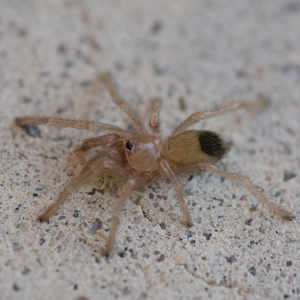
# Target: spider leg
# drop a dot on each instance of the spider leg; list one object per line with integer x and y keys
{"x": 207, "y": 114}
{"x": 124, "y": 106}
{"x": 166, "y": 167}
{"x": 154, "y": 121}
{"x": 114, "y": 222}
{"x": 78, "y": 124}
{"x": 98, "y": 141}
{"x": 87, "y": 174}
{"x": 241, "y": 180}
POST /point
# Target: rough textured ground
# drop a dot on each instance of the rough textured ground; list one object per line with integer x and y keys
{"x": 194, "y": 54}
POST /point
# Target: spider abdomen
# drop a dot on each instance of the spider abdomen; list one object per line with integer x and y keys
{"x": 194, "y": 146}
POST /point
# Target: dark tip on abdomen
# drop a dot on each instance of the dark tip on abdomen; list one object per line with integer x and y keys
{"x": 212, "y": 145}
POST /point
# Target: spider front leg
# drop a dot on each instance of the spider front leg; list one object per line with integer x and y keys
{"x": 103, "y": 140}
{"x": 67, "y": 123}
{"x": 87, "y": 174}
{"x": 106, "y": 78}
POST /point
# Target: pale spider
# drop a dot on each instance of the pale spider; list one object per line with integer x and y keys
{"x": 138, "y": 158}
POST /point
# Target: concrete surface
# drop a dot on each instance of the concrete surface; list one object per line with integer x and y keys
{"x": 194, "y": 54}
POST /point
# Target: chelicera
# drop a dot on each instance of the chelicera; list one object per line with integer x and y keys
{"x": 138, "y": 158}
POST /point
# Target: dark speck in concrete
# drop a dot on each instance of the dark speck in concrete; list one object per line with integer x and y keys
{"x": 160, "y": 70}
{"x": 253, "y": 208}
{"x": 156, "y": 27}
{"x": 61, "y": 110}
{"x": 101, "y": 191}
{"x": 244, "y": 197}
{"x": 96, "y": 225}
{"x": 137, "y": 220}
{"x": 126, "y": 291}
{"x": 240, "y": 73}
{"x": 162, "y": 197}
{"x": 161, "y": 258}
{"x": 42, "y": 241}
{"x": 231, "y": 259}
{"x": 122, "y": 254}
{"x": 289, "y": 263}
{"x": 82, "y": 298}
{"x": 26, "y": 99}
{"x": 119, "y": 66}
{"x": 199, "y": 220}
{"x": 133, "y": 254}
{"x": 248, "y": 222}
{"x": 30, "y": 130}
{"x": 252, "y": 271}
{"x": 162, "y": 225}
{"x": 155, "y": 204}
{"x": 18, "y": 207}
{"x": 21, "y": 83}
{"x": 16, "y": 287}
{"x": 61, "y": 49}
{"x": 189, "y": 233}
{"x": 68, "y": 64}
{"x": 92, "y": 192}
{"x": 35, "y": 195}
{"x": 76, "y": 213}
{"x": 17, "y": 247}
{"x": 291, "y": 6}
{"x": 45, "y": 74}
{"x": 86, "y": 83}
{"x": 183, "y": 107}
{"x": 221, "y": 201}
{"x": 22, "y": 32}
{"x": 277, "y": 194}
{"x": 207, "y": 236}
{"x": 288, "y": 175}
{"x": 25, "y": 271}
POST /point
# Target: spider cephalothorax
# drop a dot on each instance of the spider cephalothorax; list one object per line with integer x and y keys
{"x": 138, "y": 158}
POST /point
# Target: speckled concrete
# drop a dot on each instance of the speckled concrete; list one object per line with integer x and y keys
{"x": 194, "y": 54}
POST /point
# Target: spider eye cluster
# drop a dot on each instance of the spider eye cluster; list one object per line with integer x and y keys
{"x": 129, "y": 146}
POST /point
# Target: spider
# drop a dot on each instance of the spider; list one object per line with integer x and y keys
{"x": 138, "y": 158}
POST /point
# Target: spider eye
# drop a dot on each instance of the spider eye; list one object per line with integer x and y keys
{"x": 129, "y": 145}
